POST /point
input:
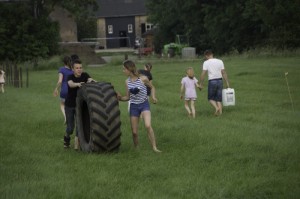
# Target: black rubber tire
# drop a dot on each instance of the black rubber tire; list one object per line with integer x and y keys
{"x": 98, "y": 118}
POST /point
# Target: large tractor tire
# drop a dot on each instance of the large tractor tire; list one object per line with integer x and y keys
{"x": 98, "y": 118}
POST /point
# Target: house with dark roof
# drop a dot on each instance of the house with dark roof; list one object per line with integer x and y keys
{"x": 119, "y": 22}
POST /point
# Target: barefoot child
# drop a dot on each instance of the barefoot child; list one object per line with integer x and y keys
{"x": 216, "y": 73}
{"x": 188, "y": 87}
{"x": 62, "y": 83}
{"x": 136, "y": 92}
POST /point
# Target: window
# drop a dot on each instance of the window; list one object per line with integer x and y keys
{"x": 110, "y": 29}
{"x": 149, "y": 26}
{"x": 130, "y": 28}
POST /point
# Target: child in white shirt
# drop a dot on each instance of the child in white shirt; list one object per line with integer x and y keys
{"x": 188, "y": 87}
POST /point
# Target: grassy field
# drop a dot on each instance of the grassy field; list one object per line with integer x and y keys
{"x": 251, "y": 151}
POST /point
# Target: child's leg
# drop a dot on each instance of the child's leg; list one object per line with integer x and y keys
{"x": 193, "y": 108}
{"x": 70, "y": 126}
{"x": 219, "y": 104}
{"x": 2, "y": 88}
{"x": 186, "y": 105}
{"x": 151, "y": 136}
{"x": 134, "y": 128}
{"x": 214, "y": 104}
{"x": 128, "y": 106}
{"x": 76, "y": 143}
{"x": 70, "y": 115}
{"x": 62, "y": 108}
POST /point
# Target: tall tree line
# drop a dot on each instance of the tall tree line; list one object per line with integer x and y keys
{"x": 226, "y": 26}
{"x": 27, "y": 33}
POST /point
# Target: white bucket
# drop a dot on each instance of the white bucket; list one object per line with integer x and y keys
{"x": 228, "y": 97}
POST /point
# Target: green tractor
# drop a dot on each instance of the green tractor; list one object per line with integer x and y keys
{"x": 173, "y": 49}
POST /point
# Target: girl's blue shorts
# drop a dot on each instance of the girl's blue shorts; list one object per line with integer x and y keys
{"x": 137, "y": 109}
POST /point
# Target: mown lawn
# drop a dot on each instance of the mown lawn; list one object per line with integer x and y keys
{"x": 251, "y": 151}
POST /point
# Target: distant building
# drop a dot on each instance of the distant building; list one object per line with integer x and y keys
{"x": 120, "y": 22}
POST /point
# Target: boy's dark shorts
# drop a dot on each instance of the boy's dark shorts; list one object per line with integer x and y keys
{"x": 215, "y": 87}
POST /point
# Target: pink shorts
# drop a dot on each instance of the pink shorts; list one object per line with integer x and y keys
{"x": 190, "y": 99}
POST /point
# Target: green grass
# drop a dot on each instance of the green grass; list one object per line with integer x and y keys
{"x": 251, "y": 151}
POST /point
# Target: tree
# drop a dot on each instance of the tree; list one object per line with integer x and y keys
{"x": 226, "y": 25}
{"x": 166, "y": 21}
{"x": 281, "y": 19}
{"x": 177, "y": 17}
{"x": 26, "y": 32}
{"x": 24, "y": 37}
{"x": 84, "y": 15}
{"x": 86, "y": 28}
{"x": 233, "y": 25}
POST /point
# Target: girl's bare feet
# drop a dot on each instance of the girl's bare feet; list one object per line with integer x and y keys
{"x": 216, "y": 112}
{"x": 156, "y": 150}
{"x": 220, "y": 112}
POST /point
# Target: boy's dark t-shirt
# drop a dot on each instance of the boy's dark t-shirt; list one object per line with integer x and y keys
{"x": 149, "y": 76}
{"x": 72, "y": 92}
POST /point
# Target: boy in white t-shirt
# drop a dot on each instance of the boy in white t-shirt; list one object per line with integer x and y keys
{"x": 216, "y": 74}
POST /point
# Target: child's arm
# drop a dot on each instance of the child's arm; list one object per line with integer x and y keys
{"x": 91, "y": 80}
{"x": 58, "y": 85}
{"x": 224, "y": 74}
{"x": 181, "y": 91}
{"x": 150, "y": 85}
{"x": 153, "y": 94}
{"x": 202, "y": 76}
{"x": 122, "y": 98}
{"x": 197, "y": 84}
{"x": 74, "y": 84}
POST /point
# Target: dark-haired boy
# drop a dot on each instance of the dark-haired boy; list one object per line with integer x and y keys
{"x": 74, "y": 82}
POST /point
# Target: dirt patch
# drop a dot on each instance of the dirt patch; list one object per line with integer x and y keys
{"x": 84, "y": 51}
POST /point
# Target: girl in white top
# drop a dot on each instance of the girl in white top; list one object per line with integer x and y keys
{"x": 2, "y": 80}
{"x": 188, "y": 86}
